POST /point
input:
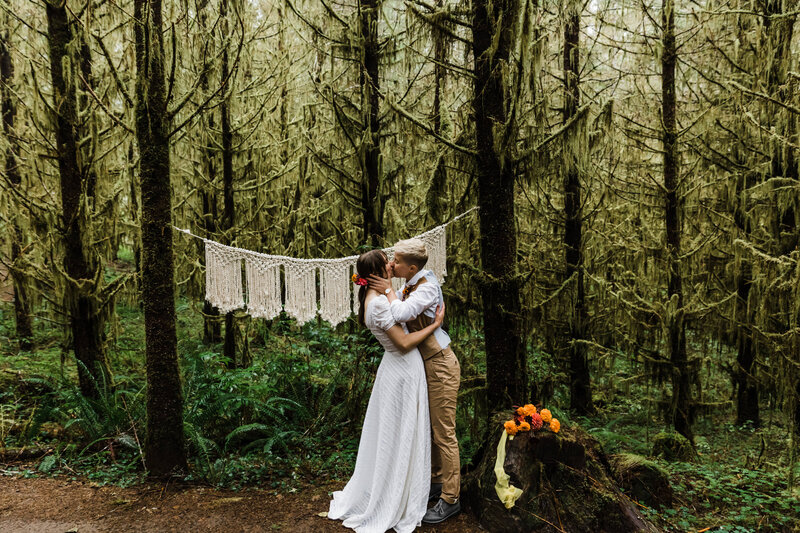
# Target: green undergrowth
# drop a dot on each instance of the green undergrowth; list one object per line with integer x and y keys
{"x": 738, "y": 482}
{"x": 294, "y": 417}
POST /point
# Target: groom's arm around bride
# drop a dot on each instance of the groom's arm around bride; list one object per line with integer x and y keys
{"x": 415, "y": 305}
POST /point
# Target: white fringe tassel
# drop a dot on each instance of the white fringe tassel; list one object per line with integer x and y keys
{"x": 223, "y": 278}
{"x": 436, "y": 242}
{"x": 263, "y": 286}
{"x": 301, "y": 289}
{"x": 334, "y": 287}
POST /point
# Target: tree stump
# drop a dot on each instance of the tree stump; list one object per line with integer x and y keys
{"x": 566, "y": 481}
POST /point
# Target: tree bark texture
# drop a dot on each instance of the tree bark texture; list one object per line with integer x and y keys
{"x": 81, "y": 264}
{"x": 580, "y": 381}
{"x": 164, "y": 445}
{"x": 371, "y": 201}
{"x": 212, "y": 323}
{"x": 228, "y": 212}
{"x": 747, "y": 408}
{"x": 680, "y": 409}
{"x": 567, "y": 484}
{"x": 506, "y": 375}
{"x": 22, "y": 315}
{"x": 436, "y": 197}
{"x": 778, "y": 34}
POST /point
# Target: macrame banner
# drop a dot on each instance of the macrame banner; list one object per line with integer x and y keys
{"x": 264, "y": 298}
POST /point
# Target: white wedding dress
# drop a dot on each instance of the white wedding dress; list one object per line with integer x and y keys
{"x": 390, "y": 485}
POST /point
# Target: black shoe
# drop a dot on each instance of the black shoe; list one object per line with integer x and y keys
{"x": 436, "y": 491}
{"x": 441, "y": 512}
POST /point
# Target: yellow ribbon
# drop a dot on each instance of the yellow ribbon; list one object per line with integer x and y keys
{"x": 507, "y": 493}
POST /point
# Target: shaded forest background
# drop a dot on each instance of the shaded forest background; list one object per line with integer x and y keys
{"x": 635, "y": 264}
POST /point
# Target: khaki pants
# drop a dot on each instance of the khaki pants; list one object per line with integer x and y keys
{"x": 443, "y": 373}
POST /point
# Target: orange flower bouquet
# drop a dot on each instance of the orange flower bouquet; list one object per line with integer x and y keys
{"x": 528, "y": 418}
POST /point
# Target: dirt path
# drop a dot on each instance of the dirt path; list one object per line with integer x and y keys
{"x": 64, "y": 506}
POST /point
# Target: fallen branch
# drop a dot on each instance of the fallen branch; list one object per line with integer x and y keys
{"x": 23, "y": 454}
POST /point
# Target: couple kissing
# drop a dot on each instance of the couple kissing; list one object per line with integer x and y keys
{"x": 408, "y": 453}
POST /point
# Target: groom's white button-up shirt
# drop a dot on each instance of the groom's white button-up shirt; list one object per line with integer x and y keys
{"x": 423, "y": 300}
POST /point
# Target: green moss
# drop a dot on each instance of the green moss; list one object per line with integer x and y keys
{"x": 673, "y": 446}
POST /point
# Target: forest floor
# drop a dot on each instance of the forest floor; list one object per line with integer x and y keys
{"x": 64, "y": 505}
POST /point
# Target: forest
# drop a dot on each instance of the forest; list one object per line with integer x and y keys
{"x": 628, "y": 256}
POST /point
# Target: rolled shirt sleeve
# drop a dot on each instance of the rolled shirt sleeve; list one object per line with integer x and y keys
{"x": 422, "y": 300}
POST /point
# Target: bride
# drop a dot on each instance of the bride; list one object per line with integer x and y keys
{"x": 390, "y": 485}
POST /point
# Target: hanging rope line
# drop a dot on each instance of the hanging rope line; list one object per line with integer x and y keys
{"x": 259, "y": 291}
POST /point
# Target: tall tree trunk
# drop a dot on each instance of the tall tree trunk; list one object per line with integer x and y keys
{"x": 22, "y": 313}
{"x": 136, "y": 216}
{"x": 87, "y": 321}
{"x": 747, "y": 408}
{"x": 228, "y": 213}
{"x": 436, "y": 200}
{"x": 212, "y": 323}
{"x": 87, "y": 154}
{"x": 506, "y": 376}
{"x": 232, "y": 330}
{"x": 164, "y": 445}
{"x": 293, "y": 201}
{"x": 371, "y": 201}
{"x": 776, "y": 48}
{"x": 580, "y": 382}
{"x": 680, "y": 413}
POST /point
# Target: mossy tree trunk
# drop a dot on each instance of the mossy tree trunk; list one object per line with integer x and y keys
{"x": 371, "y": 200}
{"x": 212, "y": 324}
{"x": 164, "y": 445}
{"x": 506, "y": 377}
{"x": 81, "y": 263}
{"x": 779, "y": 21}
{"x": 580, "y": 380}
{"x": 293, "y": 198}
{"x": 228, "y": 210}
{"x": 680, "y": 409}
{"x": 22, "y": 315}
{"x": 85, "y": 65}
{"x": 747, "y": 408}
{"x": 436, "y": 199}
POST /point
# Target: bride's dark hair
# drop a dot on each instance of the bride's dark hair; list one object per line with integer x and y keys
{"x": 372, "y": 262}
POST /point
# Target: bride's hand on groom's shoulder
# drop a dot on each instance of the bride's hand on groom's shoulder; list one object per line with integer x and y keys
{"x": 379, "y": 284}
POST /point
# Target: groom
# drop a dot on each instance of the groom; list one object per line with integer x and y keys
{"x": 416, "y": 305}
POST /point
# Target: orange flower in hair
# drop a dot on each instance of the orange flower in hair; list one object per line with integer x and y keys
{"x": 511, "y": 427}
{"x": 546, "y": 415}
{"x": 524, "y": 426}
{"x": 528, "y": 410}
{"x": 555, "y": 425}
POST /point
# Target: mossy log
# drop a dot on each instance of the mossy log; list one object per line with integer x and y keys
{"x": 642, "y": 479}
{"x": 23, "y": 454}
{"x": 672, "y": 446}
{"x": 566, "y": 483}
